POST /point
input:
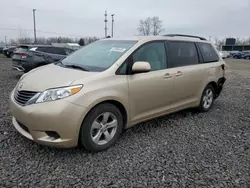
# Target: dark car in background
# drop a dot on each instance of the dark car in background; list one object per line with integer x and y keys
{"x": 1, "y": 49}
{"x": 28, "y": 57}
{"x": 246, "y": 55}
{"x": 9, "y": 51}
{"x": 238, "y": 55}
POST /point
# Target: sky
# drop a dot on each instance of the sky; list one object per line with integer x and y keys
{"x": 79, "y": 18}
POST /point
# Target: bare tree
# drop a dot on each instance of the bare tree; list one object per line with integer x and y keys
{"x": 244, "y": 41}
{"x": 145, "y": 26}
{"x": 41, "y": 40}
{"x": 150, "y": 26}
{"x": 156, "y": 25}
{"x": 12, "y": 41}
{"x": 25, "y": 40}
{"x": 219, "y": 42}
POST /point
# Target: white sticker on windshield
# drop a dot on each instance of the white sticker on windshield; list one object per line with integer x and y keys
{"x": 121, "y": 50}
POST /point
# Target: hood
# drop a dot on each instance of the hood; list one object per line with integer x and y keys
{"x": 51, "y": 76}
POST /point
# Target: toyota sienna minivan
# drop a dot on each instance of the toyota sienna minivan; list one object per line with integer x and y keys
{"x": 89, "y": 97}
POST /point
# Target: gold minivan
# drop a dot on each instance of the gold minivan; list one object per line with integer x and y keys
{"x": 89, "y": 97}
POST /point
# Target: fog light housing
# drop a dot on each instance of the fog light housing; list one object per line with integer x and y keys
{"x": 52, "y": 134}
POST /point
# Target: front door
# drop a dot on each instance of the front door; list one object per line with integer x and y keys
{"x": 150, "y": 93}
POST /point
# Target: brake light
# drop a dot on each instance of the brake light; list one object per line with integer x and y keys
{"x": 23, "y": 55}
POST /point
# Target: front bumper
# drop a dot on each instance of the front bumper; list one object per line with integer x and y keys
{"x": 34, "y": 121}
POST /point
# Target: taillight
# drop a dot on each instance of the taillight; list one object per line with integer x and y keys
{"x": 23, "y": 55}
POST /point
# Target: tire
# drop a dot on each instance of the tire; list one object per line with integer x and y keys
{"x": 93, "y": 128}
{"x": 208, "y": 95}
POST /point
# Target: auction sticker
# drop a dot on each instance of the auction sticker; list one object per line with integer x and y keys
{"x": 115, "y": 49}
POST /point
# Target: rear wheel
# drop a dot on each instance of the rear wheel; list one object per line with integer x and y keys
{"x": 101, "y": 128}
{"x": 207, "y": 99}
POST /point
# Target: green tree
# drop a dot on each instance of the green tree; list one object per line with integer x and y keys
{"x": 81, "y": 42}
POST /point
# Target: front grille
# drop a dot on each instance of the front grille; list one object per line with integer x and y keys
{"x": 21, "y": 97}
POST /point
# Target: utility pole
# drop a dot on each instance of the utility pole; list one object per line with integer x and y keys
{"x": 34, "y": 19}
{"x": 5, "y": 41}
{"x": 105, "y": 21}
{"x": 112, "y": 31}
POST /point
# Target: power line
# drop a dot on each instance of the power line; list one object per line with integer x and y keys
{"x": 41, "y": 31}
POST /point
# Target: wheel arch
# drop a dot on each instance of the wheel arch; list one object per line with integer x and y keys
{"x": 116, "y": 103}
{"x": 212, "y": 83}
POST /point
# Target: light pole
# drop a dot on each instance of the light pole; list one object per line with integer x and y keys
{"x": 112, "y": 30}
{"x": 105, "y": 21}
{"x": 34, "y": 20}
{"x": 5, "y": 41}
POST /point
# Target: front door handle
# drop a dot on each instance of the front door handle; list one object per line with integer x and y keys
{"x": 167, "y": 76}
{"x": 179, "y": 73}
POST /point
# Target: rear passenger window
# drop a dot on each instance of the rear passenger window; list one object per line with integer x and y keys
{"x": 55, "y": 50}
{"x": 181, "y": 54}
{"x": 41, "y": 49}
{"x": 59, "y": 51}
{"x": 208, "y": 53}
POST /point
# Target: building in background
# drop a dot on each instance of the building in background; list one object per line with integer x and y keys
{"x": 230, "y": 41}
{"x": 230, "y": 45}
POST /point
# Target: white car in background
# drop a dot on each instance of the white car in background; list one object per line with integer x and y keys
{"x": 224, "y": 54}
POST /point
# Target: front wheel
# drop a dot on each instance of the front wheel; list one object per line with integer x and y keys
{"x": 207, "y": 99}
{"x": 101, "y": 128}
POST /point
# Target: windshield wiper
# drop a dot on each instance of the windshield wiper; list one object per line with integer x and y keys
{"x": 76, "y": 67}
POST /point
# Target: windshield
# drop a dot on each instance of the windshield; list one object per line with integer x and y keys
{"x": 100, "y": 55}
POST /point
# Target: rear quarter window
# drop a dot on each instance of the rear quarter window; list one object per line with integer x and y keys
{"x": 41, "y": 49}
{"x": 208, "y": 53}
{"x": 58, "y": 51}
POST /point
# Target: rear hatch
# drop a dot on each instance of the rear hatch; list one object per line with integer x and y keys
{"x": 22, "y": 53}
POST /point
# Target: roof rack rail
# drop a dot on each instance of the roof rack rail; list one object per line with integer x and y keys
{"x": 181, "y": 35}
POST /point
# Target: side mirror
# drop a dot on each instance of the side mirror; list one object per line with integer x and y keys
{"x": 140, "y": 67}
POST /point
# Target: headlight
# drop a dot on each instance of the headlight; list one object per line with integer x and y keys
{"x": 58, "y": 93}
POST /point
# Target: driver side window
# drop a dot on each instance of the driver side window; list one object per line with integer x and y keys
{"x": 154, "y": 53}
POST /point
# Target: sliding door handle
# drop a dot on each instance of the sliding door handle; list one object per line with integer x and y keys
{"x": 167, "y": 76}
{"x": 179, "y": 73}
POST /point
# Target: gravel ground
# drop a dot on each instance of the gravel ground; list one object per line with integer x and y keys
{"x": 185, "y": 149}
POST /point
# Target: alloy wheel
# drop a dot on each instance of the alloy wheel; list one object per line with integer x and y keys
{"x": 207, "y": 98}
{"x": 103, "y": 128}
